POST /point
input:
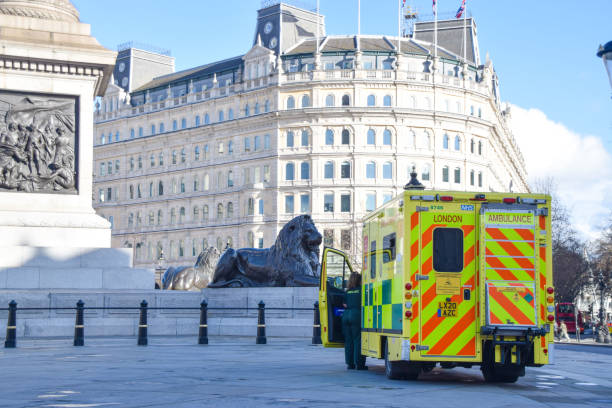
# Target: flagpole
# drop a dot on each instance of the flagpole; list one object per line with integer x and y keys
{"x": 465, "y": 33}
{"x": 399, "y": 26}
{"x": 435, "y": 29}
{"x": 318, "y": 26}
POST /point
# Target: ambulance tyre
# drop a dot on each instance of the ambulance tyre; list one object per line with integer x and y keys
{"x": 493, "y": 373}
{"x": 400, "y": 370}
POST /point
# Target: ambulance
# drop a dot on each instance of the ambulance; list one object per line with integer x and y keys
{"x": 454, "y": 279}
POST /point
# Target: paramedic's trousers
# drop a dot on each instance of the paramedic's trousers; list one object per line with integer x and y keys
{"x": 351, "y": 328}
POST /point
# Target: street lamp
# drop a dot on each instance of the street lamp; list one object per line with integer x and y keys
{"x": 605, "y": 53}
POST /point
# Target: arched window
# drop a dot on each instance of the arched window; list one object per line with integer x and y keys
{"x": 181, "y": 248}
{"x": 131, "y": 220}
{"x": 371, "y": 137}
{"x": 445, "y": 141}
{"x": 267, "y": 106}
{"x": 387, "y": 100}
{"x": 230, "y": 147}
{"x": 152, "y": 160}
{"x": 151, "y": 189}
{"x": 472, "y": 146}
{"x": 162, "y": 128}
{"x": 182, "y": 185}
{"x": 219, "y": 211}
{"x": 266, "y": 142}
{"x": 132, "y": 133}
{"x": 345, "y": 170}
{"x": 197, "y": 120}
{"x": 371, "y": 170}
{"x": 140, "y": 162}
{"x": 257, "y": 108}
{"x": 140, "y": 132}
{"x": 289, "y": 172}
{"x": 183, "y": 155}
{"x": 221, "y": 116}
{"x": 182, "y": 215}
{"x": 457, "y": 143}
{"x": 131, "y": 192}
{"x": 305, "y": 101}
{"x": 196, "y": 153}
{"x": 172, "y": 216}
{"x": 328, "y": 170}
{"x": 194, "y": 247}
{"x": 257, "y": 143}
{"x": 329, "y": 137}
{"x": 480, "y": 179}
{"x": 247, "y": 144}
{"x": 206, "y": 182}
{"x": 305, "y": 171}
{"x": 219, "y": 244}
{"x": 205, "y": 213}
{"x": 291, "y": 102}
{"x": 426, "y": 171}
{"x": 445, "y": 174}
{"x": 174, "y": 157}
{"x": 330, "y": 100}
{"x": 457, "y": 175}
{"x": 411, "y": 138}
{"x": 221, "y": 148}
{"x": 427, "y": 102}
{"x": 160, "y": 188}
{"x": 183, "y": 123}
{"x": 480, "y": 148}
{"x": 160, "y": 216}
{"x": 290, "y": 139}
{"x": 480, "y": 112}
{"x": 152, "y": 129}
{"x": 388, "y": 170}
{"x": 472, "y": 110}
{"x": 346, "y": 137}
{"x": 174, "y": 189}
{"x": 371, "y": 100}
{"x": 220, "y": 180}
{"x": 472, "y": 174}
{"x": 426, "y": 140}
{"x": 171, "y": 250}
{"x": 206, "y": 119}
{"x": 160, "y": 158}
{"x": 230, "y": 210}
{"x": 387, "y": 137}
{"x": 250, "y": 206}
{"x": 305, "y": 138}
{"x": 346, "y": 100}
{"x": 230, "y": 114}
{"x": 230, "y": 178}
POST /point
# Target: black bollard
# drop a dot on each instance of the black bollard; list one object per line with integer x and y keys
{"x": 11, "y": 326}
{"x": 203, "y": 335}
{"x": 261, "y": 324}
{"x": 79, "y": 328}
{"x": 316, "y": 325}
{"x": 142, "y": 326}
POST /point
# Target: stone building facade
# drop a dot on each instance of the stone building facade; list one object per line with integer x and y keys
{"x": 228, "y": 152}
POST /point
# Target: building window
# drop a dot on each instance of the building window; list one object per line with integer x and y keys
{"x": 266, "y": 173}
{"x": 109, "y": 167}
{"x": 480, "y": 112}
{"x": 305, "y": 203}
{"x": 445, "y": 141}
{"x": 138, "y": 191}
{"x": 131, "y": 194}
{"x": 370, "y": 204}
{"x": 387, "y": 100}
{"x": 457, "y": 143}
{"x": 102, "y": 139}
{"x": 346, "y": 137}
{"x": 371, "y": 137}
{"x": 425, "y": 172}
{"x": 172, "y": 216}
{"x": 174, "y": 157}
{"x": 387, "y": 197}
{"x": 346, "y": 100}
{"x": 182, "y": 185}
{"x": 250, "y": 206}
{"x": 230, "y": 114}
{"x": 161, "y": 158}
{"x": 140, "y": 132}
{"x": 345, "y": 203}
{"x": 328, "y": 237}
{"x": 181, "y": 215}
{"x": 472, "y": 178}
{"x": 206, "y": 119}
{"x": 328, "y": 170}
{"x": 445, "y": 174}
{"x": 387, "y": 137}
{"x": 480, "y": 148}
{"x": 196, "y": 153}
{"x": 328, "y": 203}
{"x": 230, "y": 210}
{"x": 219, "y": 211}
{"x": 221, "y": 116}
{"x": 230, "y": 178}
{"x": 256, "y": 108}
{"x": 174, "y": 125}
{"x": 371, "y": 170}
{"x": 197, "y": 120}
{"x": 329, "y": 137}
{"x": 457, "y": 175}
{"x": 330, "y": 100}
{"x": 250, "y": 239}
{"x": 205, "y": 213}
{"x": 132, "y": 133}
{"x": 131, "y": 220}
{"x": 206, "y": 182}
{"x": 305, "y": 171}
{"x": 305, "y": 138}
{"x": 181, "y": 248}
{"x": 152, "y": 129}
{"x": 289, "y": 204}
{"x": 161, "y": 128}
{"x": 230, "y": 147}
{"x": 260, "y": 205}
{"x": 388, "y": 170}
{"x": 291, "y": 102}
{"x": 159, "y": 217}
{"x": 289, "y": 172}
{"x": 160, "y": 188}
{"x": 472, "y": 110}
{"x": 305, "y": 101}
{"x": 472, "y": 146}
{"x": 345, "y": 239}
{"x": 267, "y": 106}
{"x": 345, "y": 170}
{"x": 151, "y": 189}
{"x": 257, "y": 143}
{"x": 290, "y": 139}
{"x": 479, "y": 179}
{"x": 266, "y": 142}
{"x": 371, "y": 100}
{"x": 221, "y": 148}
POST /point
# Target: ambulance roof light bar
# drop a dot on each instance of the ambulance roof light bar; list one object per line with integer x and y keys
{"x": 443, "y": 198}
{"x": 530, "y": 200}
{"x": 479, "y": 197}
{"x": 423, "y": 198}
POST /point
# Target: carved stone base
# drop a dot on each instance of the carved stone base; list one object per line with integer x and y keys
{"x": 39, "y": 229}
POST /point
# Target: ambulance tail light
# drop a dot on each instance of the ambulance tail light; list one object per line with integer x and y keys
{"x": 444, "y": 198}
{"x": 509, "y": 200}
{"x": 550, "y": 299}
{"x": 550, "y": 290}
{"x": 408, "y": 314}
{"x": 479, "y": 197}
{"x": 408, "y": 286}
{"x": 551, "y": 318}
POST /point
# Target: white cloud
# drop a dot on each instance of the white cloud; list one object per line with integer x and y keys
{"x": 580, "y": 165}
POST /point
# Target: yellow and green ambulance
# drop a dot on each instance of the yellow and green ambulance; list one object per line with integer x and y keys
{"x": 450, "y": 278}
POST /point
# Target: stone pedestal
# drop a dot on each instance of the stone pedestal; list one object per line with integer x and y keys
{"x": 51, "y": 70}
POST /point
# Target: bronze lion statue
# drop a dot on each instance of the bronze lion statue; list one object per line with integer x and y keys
{"x": 192, "y": 277}
{"x": 293, "y": 260}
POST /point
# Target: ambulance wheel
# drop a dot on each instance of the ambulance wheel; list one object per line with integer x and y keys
{"x": 400, "y": 370}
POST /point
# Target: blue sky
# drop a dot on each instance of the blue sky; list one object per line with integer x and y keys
{"x": 543, "y": 51}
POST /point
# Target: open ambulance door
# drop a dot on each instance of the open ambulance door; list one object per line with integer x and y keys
{"x": 335, "y": 271}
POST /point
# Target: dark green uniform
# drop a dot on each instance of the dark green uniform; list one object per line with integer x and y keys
{"x": 351, "y": 328}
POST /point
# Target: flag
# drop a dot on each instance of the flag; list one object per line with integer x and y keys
{"x": 461, "y": 10}
{"x": 434, "y": 7}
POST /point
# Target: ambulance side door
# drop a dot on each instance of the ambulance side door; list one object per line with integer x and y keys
{"x": 335, "y": 271}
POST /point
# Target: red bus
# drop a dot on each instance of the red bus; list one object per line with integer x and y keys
{"x": 566, "y": 313}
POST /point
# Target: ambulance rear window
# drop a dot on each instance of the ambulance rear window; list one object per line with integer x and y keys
{"x": 389, "y": 248}
{"x": 448, "y": 249}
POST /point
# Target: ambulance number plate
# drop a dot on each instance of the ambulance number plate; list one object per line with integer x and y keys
{"x": 447, "y": 309}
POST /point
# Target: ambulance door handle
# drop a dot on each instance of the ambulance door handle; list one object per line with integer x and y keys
{"x": 466, "y": 294}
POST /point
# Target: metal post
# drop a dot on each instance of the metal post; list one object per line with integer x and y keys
{"x": 11, "y": 326}
{"x": 261, "y": 324}
{"x": 142, "y": 326}
{"x": 203, "y": 335}
{"x": 316, "y": 325}
{"x": 79, "y": 335}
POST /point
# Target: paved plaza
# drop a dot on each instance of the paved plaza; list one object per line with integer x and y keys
{"x": 234, "y": 372}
